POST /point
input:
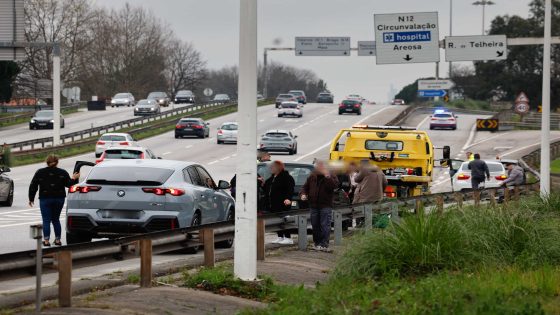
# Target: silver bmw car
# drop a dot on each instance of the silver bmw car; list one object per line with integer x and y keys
{"x": 124, "y": 197}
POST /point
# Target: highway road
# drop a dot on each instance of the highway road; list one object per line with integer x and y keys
{"x": 81, "y": 120}
{"x": 315, "y": 131}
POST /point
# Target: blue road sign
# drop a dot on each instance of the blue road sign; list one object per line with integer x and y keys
{"x": 406, "y": 37}
{"x": 432, "y": 93}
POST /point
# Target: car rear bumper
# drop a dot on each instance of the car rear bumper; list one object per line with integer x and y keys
{"x": 145, "y": 113}
{"x": 226, "y": 138}
{"x": 442, "y": 125}
{"x": 194, "y": 132}
{"x": 349, "y": 110}
{"x": 290, "y": 113}
{"x": 268, "y": 148}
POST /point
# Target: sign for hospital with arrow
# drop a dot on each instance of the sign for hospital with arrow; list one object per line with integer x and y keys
{"x": 406, "y": 38}
{"x": 487, "y": 124}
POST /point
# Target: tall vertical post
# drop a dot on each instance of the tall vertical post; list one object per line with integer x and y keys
{"x": 56, "y": 94}
{"x": 483, "y": 16}
{"x": 38, "y": 274}
{"x": 265, "y": 73}
{"x": 245, "y": 251}
{"x": 450, "y": 30}
{"x": 545, "y": 121}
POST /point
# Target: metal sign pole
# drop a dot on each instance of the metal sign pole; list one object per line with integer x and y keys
{"x": 56, "y": 95}
{"x": 245, "y": 251}
{"x": 545, "y": 128}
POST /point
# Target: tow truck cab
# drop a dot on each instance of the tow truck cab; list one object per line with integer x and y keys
{"x": 405, "y": 155}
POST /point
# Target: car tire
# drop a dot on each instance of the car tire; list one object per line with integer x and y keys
{"x": 229, "y": 242}
{"x": 295, "y": 151}
{"x": 196, "y": 221}
{"x": 291, "y": 152}
{"x": 10, "y": 200}
{"x": 74, "y": 238}
{"x": 219, "y": 142}
{"x": 279, "y": 115}
{"x": 431, "y": 128}
{"x": 340, "y": 113}
{"x": 176, "y": 136}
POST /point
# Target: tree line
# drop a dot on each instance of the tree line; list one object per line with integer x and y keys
{"x": 105, "y": 51}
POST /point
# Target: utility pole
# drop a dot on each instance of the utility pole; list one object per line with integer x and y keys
{"x": 265, "y": 73}
{"x": 56, "y": 94}
{"x": 545, "y": 121}
{"x": 450, "y": 31}
{"x": 245, "y": 250}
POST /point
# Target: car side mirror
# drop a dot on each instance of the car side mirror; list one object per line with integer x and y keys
{"x": 456, "y": 116}
{"x": 295, "y": 137}
{"x": 159, "y": 157}
{"x": 223, "y": 185}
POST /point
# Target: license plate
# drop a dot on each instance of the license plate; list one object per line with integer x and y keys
{"x": 187, "y": 129}
{"x": 349, "y": 109}
{"x": 42, "y": 124}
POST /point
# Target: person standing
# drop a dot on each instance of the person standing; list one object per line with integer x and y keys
{"x": 319, "y": 191}
{"x": 479, "y": 169}
{"x": 278, "y": 194}
{"x": 371, "y": 183}
{"x": 51, "y": 183}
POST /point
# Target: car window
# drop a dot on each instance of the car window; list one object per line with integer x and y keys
{"x": 285, "y": 96}
{"x": 195, "y": 179}
{"x": 112, "y": 138}
{"x": 44, "y": 113}
{"x": 191, "y": 121}
{"x": 443, "y": 115}
{"x": 123, "y": 154}
{"x": 299, "y": 173}
{"x": 229, "y": 127}
{"x": 184, "y": 93}
{"x": 492, "y": 167}
{"x": 121, "y": 95}
{"x": 276, "y": 134}
{"x": 289, "y": 105}
{"x": 384, "y": 145}
{"x": 205, "y": 177}
{"x": 324, "y": 94}
{"x": 296, "y": 93}
{"x": 137, "y": 176}
{"x": 186, "y": 176}
{"x": 350, "y": 102}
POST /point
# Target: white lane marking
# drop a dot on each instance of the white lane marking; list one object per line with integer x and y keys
{"x": 224, "y": 158}
{"x": 488, "y": 139}
{"x": 502, "y": 148}
{"x": 261, "y": 120}
{"x": 526, "y": 147}
{"x": 471, "y": 137}
{"x": 422, "y": 122}
{"x": 166, "y": 153}
{"x": 328, "y": 143}
{"x": 213, "y": 162}
{"x": 17, "y": 211}
{"x": 189, "y": 146}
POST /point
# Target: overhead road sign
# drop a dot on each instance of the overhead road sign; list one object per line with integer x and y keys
{"x": 406, "y": 38}
{"x": 322, "y": 46}
{"x": 12, "y": 25}
{"x": 366, "y": 48}
{"x": 487, "y": 124}
{"x": 435, "y": 84}
{"x": 432, "y": 93}
{"x": 471, "y": 48}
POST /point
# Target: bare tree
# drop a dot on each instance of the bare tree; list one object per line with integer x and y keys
{"x": 185, "y": 68}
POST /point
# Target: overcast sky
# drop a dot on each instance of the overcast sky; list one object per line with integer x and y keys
{"x": 213, "y": 27}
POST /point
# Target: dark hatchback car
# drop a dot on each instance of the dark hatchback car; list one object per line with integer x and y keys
{"x": 184, "y": 97}
{"x": 44, "y": 119}
{"x": 192, "y": 127}
{"x": 325, "y": 97}
{"x": 350, "y": 107}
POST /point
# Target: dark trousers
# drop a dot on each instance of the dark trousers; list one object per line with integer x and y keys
{"x": 321, "y": 224}
{"x": 475, "y": 182}
{"x": 284, "y": 234}
{"x": 50, "y": 212}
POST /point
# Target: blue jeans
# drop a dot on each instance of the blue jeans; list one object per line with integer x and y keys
{"x": 321, "y": 224}
{"x": 50, "y": 212}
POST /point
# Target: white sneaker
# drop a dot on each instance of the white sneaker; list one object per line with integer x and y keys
{"x": 287, "y": 241}
{"x": 278, "y": 240}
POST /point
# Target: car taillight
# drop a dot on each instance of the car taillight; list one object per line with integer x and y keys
{"x": 142, "y": 155}
{"x": 341, "y": 105}
{"x": 124, "y": 143}
{"x": 220, "y": 132}
{"x": 390, "y": 192}
{"x": 100, "y": 143}
{"x": 83, "y": 189}
{"x": 433, "y": 118}
{"x": 357, "y": 105}
{"x": 197, "y": 127}
{"x": 164, "y": 191}
{"x": 100, "y": 159}
{"x": 463, "y": 177}
{"x": 409, "y": 171}
{"x": 501, "y": 177}
{"x": 178, "y": 126}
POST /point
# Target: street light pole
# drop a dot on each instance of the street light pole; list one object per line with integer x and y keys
{"x": 545, "y": 121}
{"x": 483, "y": 3}
{"x": 56, "y": 94}
{"x": 245, "y": 250}
{"x": 450, "y": 30}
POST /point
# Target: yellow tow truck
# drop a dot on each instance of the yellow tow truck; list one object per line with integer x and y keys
{"x": 405, "y": 155}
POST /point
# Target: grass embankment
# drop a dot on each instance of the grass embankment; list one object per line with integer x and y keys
{"x": 466, "y": 104}
{"x": 90, "y": 147}
{"x": 555, "y": 166}
{"x": 502, "y": 260}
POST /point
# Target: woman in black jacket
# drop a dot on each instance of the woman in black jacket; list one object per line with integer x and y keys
{"x": 278, "y": 193}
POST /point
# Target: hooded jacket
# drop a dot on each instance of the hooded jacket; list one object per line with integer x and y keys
{"x": 371, "y": 185}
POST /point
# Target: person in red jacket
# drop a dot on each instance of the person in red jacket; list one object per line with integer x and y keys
{"x": 318, "y": 190}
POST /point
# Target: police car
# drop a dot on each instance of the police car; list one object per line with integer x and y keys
{"x": 443, "y": 119}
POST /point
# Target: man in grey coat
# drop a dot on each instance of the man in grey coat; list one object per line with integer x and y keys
{"x": 516, "y": 175}
{"x": 371, "y": 183}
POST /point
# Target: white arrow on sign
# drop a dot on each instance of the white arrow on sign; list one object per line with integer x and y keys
{"x": 366, "y": 48}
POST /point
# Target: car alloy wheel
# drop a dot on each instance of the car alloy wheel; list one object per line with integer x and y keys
{"x": 196, "y": 221}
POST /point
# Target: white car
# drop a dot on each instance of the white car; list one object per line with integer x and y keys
{"x": 123, "y": 99}
{"x": 108, "y": 140}
{"x": 443, "y": 120}
{"x": 462, "y": 179}
{"x": 290, "y": 109}
{"x": 227, "y": 133}
{"x": 126, "y": 153}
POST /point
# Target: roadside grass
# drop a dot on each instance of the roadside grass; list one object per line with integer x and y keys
{"x": 478, "y": 260}
{"x": 555, "y": 166}
{"x": 469, "y": 104}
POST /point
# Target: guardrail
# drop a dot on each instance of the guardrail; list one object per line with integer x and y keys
{"x": 35, "y": 108}
{"x": 206, "y": 235}
{"x": 426, "y": 109}
{"x": 96, "y": 131}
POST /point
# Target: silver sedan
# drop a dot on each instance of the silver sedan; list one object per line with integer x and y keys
{"x": 279, "y": 141}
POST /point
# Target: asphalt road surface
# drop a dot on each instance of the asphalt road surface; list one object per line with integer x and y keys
{"x": 315, "y": 130}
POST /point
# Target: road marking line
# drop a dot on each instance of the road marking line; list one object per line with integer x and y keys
{"x": 213, "y": 162}
{"x": 471, "y": 137}
{"x": 17, "y": 211}
{"x": 422, "y": 122}
{"x": 189, "y": 146}
{"x": 166, "y": 153}
{"x": 488, "y": 139}
{"x": 224, "y": 158}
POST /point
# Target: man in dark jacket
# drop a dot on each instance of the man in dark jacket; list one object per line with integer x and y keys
{"x": 478, "y": 169}
{"x": 278, "y": 193}
{"x": 319, "y": 191}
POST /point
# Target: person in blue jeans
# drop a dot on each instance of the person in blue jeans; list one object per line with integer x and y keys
{"x": 318, "y": 190}
{"x": 51, "y": 183}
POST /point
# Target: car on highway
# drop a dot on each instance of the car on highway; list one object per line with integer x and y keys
{"x": 192, "y": 127}
{"x": 279, "y": 141}
{"x": 355, "y": 97}
{"x": 160, "y": 97}
{"x": 300, "y": 95}
{"x": 44, "y": 119}
{"x": 227, "y": 133}
{"x": 222, "y": 98}
{"x": 122, "y": 99}
{"x": 6, "y": 188}
{"x": 108, "y": 140}
{"x": 350, "y": 106}
{"x": 290, "y": 109}
{"x": 398, "y": 101}
{"x": 325, "y": 97}
{"x": 125, "y": 197}
{"x": 443, "y": 120}
{"x": 184, "y": 97}
{"x": 126, "y": 153}
{"x": 147, "y": 107}
{"x": 461, "y": 180}
{"x": 285, "y": 97}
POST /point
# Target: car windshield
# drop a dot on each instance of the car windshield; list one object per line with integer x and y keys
{"x": 112, "y": 138}
{"x": 285, "y": 96}
{"x": 298, "y": 172}
{"x": 350, "y": 102}
{"x": 123, "y": 154}
{"x": 324, "y": 94}
{"x": 123, "y": 175}
{"x": 296, "y": 93}
{"x": 229, "y": 127}
{"x": 146, "y": 102}
{"x": 384, "y": 145}
{"x": 156, "y": 94}
{"x": 184, "y": 93}
{"x": 121, "y": 95}
{"x": 446, "y": 115}
{"x": 191, "y": 121}
{"x": 492, "y": 167}
{"x": 289, "y": 105}
{"x": 44, "y": 113}
{"x": 276, "y": 134}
